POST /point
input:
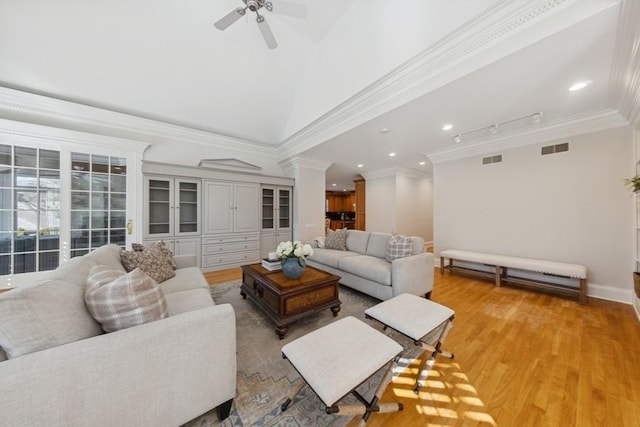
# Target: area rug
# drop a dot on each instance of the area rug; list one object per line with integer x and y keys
{"x": 265, "y": 380}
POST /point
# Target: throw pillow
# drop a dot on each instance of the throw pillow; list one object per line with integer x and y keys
{"x": 43, "y": 316}
{"x": 137, "y": 247}
{"x": 156, "y": 260}
{"x": 120, "y": 301}
{"x": 336, "y": 239}
{"x": 398, "y": 247}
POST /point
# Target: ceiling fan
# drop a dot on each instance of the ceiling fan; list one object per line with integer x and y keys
{"x": 282, "y": 7}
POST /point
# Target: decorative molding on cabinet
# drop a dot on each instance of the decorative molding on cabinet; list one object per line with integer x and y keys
{"x": 215, "y": 174}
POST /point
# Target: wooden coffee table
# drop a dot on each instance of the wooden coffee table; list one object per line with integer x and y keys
{"x": 288, "y": 300}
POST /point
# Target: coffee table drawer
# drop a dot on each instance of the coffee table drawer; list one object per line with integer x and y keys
{"x": 309, "y": 300}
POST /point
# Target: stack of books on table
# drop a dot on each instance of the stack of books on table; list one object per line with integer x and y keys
{"x": 272, "y": 265}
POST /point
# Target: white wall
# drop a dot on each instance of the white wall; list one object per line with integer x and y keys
{"x": 570, "y": 207}
{"x": 399, "y": 203}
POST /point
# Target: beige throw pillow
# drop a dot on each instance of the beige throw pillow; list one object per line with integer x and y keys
{"x": 156, "y": 260}
{"x": 398, "y": 247}
{"x": 120, "y": 301}
{"x": 336, "y": 239}
{"x": 44, "y": 316}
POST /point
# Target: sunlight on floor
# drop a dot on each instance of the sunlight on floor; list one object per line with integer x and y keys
{"x": 446, "y": 397}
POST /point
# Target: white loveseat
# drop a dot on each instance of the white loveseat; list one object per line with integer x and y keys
{"x": 363, "y": 266}
{"x": 162, "y": 373}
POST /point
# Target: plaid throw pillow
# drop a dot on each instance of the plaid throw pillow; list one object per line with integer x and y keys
{"x": 398, "y": 247}
{"x": 120, "y": 301}
{"x": 336, "y": 239}
{"x": 156, "y": 260}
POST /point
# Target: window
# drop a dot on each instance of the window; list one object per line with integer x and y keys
{"x": 98, "y": 202}
{"x": 29, "y": 209}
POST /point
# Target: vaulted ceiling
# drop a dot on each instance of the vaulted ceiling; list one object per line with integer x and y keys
{"x": 340, "y": 76}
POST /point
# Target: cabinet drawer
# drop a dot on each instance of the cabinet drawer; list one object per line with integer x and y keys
{"x": 231, "y": 247}
{"x": 229, "y": 258}
{"x": 230, "y": 239}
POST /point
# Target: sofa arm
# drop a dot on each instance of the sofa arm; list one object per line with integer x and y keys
{"x": 412, "y": 274}
{"x": 184, "y": 261}
{"x": 162, "y": 373}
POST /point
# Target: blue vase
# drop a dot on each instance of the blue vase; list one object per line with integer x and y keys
{"x": 292, "y": 268}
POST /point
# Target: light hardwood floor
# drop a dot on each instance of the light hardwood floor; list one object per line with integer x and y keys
{"x": 521, "y": 359}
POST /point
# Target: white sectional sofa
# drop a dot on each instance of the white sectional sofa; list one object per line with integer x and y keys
{"x": 162, "y": 373}
{"x": 363, "y": 266}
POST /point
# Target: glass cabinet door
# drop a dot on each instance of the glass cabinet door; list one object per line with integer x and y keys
{"x": 159, "y": 206}
{"x": 188, "y": 211}
{"x": 268, "y": 208}
{"x": 284, "y": 208}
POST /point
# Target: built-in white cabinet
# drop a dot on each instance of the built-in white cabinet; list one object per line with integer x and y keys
{"x": 172, "y": 207}
{"x": 182, "y": 246}
{"x": 215, "y": 211}
{"x": 173, "y": 213}
{"x": 275, "y": 223}
{"x": 231, "y": 207}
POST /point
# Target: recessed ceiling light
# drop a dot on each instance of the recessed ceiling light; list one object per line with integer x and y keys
{"x": 580, "y": 85}
{"x": 384, "y": 130}
{"x": 457, "y": 139}
{"x": 360, "y": 165}
{"x": 344, "y": 189}
{"x": 422, "y": 163}
{"x": 448, "y": 126}
{"x": 333, "y": 185}
{"x": 392, "y": 154}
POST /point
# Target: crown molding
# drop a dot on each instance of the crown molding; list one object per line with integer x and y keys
{"x": 39, "y": 109}
{"x": 625, "y": 72}
{"x": 297, "y": 163}
{"x": 65, "y": 136}
{"x": 577, "y": 125}
{"x": 452, "y": 57}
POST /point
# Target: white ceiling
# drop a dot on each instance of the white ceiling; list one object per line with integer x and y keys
{"x": 351, "y": 68}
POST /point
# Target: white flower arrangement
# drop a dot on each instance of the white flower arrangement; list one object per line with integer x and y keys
{"x": 295, "y": 249}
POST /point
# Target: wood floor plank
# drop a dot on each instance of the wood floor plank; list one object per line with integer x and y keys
{"x": 522, "y": 359}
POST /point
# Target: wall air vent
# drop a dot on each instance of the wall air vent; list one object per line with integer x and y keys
{"x": 492, "y": 159}
{"x": 558, "y": 148}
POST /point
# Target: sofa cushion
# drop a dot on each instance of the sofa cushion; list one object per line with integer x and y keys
{"x": 192, "y": 299}
{"x": 368, "y": 267}
{"x": 156, "y": 260}
{"x": 330, "y": 257}
{"x": 398, "y": 247}
{"x": 377, "y": 245}
{"x": 357, "y": 241}
{"x": 120, "y": 301}
{"x": 185, "y": 279}
{"x": 43, "y": 316}
{"x": 336, "y": 239}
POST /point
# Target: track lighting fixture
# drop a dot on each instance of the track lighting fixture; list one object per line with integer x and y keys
{"x": 495, "y": 127}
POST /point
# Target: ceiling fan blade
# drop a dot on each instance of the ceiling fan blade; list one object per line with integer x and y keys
{"x": 229, "y": 18}
{"x": 295, "y": 10}
{"x": 266, "y": 32}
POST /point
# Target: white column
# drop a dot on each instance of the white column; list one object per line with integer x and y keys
{"x": 308, "y": 196}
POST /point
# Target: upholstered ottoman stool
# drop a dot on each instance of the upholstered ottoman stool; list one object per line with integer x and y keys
{"x": 427, "y": 323}
{"x": 335, "y": 359}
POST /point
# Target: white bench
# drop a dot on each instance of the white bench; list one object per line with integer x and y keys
{"x": 502, "y": 263}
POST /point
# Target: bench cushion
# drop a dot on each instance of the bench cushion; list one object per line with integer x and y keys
{"x": 538, "y": 265}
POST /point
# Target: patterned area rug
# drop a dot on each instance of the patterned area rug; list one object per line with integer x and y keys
{"x": 265, "y": 379}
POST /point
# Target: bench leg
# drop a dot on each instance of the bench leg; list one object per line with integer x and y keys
{"x": 428, "y": 362}
{"x": 441, "y": 265}
{"x": 583, "y": 291}
{"x": 365, "y": 408}
{"x": 287, "y": 402}
{"x": 498, "y": 275}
